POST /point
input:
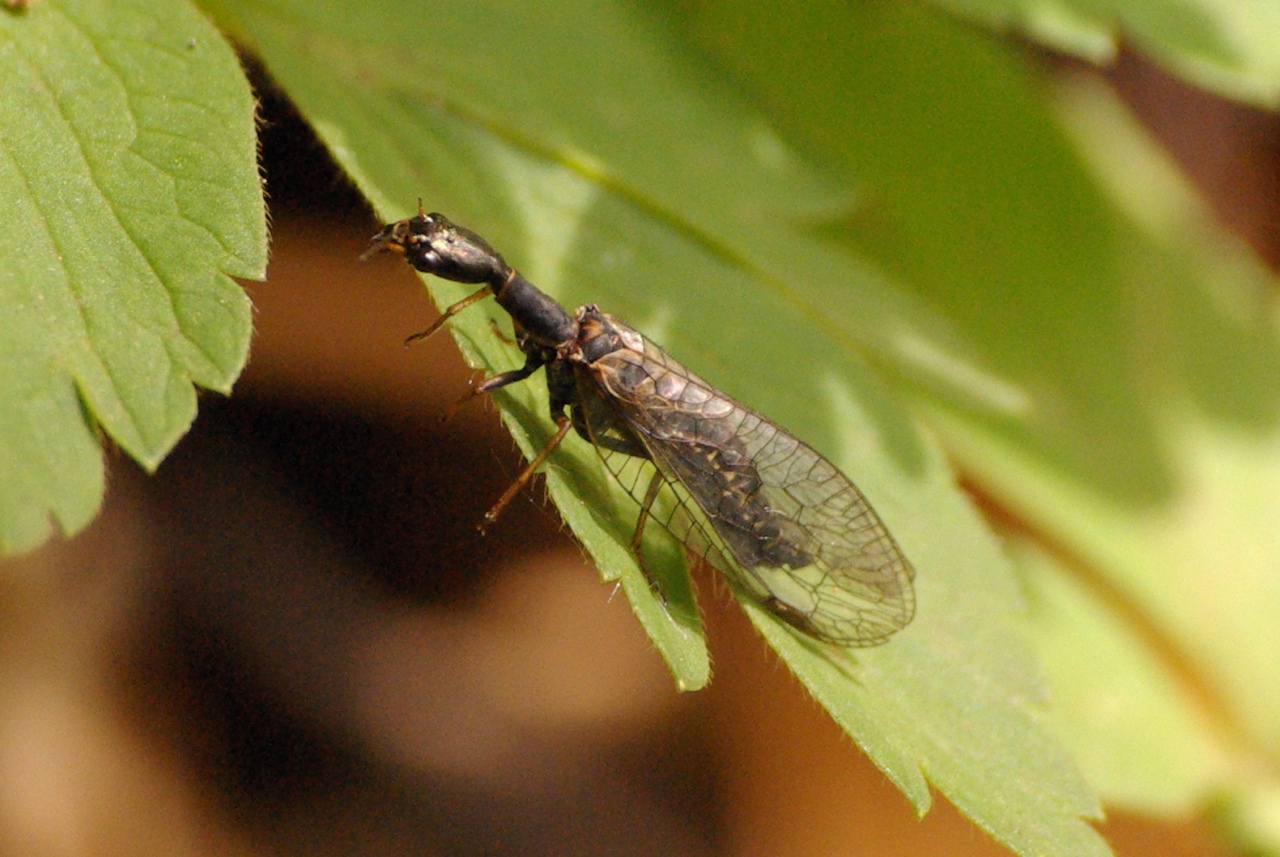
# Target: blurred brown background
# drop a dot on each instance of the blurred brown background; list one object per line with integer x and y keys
{"x": 291, "y": 640}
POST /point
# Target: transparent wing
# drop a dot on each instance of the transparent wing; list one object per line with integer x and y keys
{"x": 776, "y": 518}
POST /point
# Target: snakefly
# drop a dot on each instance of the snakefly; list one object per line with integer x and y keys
{"x": 782, "y": 524}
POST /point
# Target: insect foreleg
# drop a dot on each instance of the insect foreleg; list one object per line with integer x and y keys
{"x": 449, "y": 313}
{"x": 563, "y": 425}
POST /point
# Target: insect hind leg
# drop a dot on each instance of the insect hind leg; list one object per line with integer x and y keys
{"x": 795, "y": 618}
{"x": 637, "y": 539}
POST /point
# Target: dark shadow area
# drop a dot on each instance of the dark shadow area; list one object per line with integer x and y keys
{"x": 274, "y": 563}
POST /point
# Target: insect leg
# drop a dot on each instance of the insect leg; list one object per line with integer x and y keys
{"x": 563, "y": 425}
{"x": 637, "y": 539}
{"x": 488, "y": 385}
{"x": 450, "y": 313}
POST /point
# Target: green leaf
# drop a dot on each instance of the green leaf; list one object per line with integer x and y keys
{"x": 1109, "y": 373}
{"x": 1170, "y": 628}
{"x": 1229, "y": 46}
{"x": 605, "y": 155}
{"x": 130, "y": 195}
{"x": 1139, "y": 730}
{"x": 956, "y": 698}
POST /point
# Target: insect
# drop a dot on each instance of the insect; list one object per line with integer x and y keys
{"x": 778, "y": 520}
